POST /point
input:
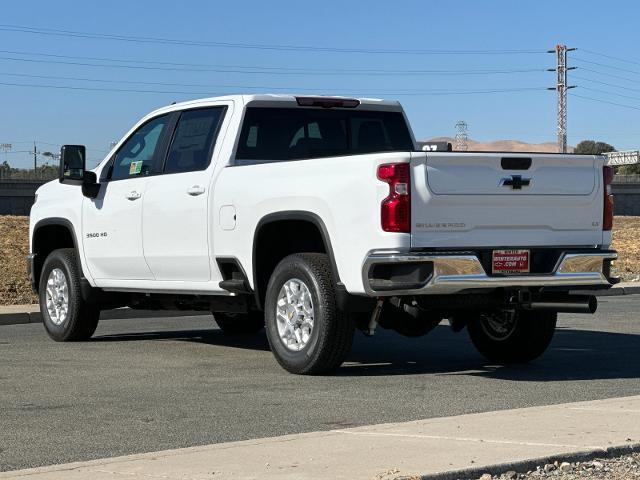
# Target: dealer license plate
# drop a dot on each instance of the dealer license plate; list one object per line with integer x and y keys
{"x": 510, "y": 261}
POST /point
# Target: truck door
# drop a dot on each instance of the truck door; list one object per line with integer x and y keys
{"x": 112, "y": 222}
{"x": 176, "y": 216}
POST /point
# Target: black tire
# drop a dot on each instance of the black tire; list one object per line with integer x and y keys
{"x": 82, "y": 318}
{"x": 240, "y": 323}
{"x": 331, "y": 337}
{"x": 526, "y": 339}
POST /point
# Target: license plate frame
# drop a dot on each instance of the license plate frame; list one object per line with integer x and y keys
{"x": 511, "y": 261}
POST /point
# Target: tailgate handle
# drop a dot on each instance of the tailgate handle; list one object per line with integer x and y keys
{"x": 515, "y": 163}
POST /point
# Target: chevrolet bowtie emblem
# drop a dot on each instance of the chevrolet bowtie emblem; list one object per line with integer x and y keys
{"x": 516, "y": 182}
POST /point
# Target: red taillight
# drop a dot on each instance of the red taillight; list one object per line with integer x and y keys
{"x": 327, "y": 102}
{"x": 607, "y": 215}
{"x": 395, "y": 210}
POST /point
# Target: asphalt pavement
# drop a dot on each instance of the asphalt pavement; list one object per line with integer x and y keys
{"x": 154, "y": 384}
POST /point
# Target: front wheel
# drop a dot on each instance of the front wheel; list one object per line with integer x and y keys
{"x": 307, "y": 333}
{"x": 65, "y": 314}
{"x": 513, "y": 337}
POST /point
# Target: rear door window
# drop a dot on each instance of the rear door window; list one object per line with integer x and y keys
{"x": 272, "y": 134}
{"x": 193, "y": 141}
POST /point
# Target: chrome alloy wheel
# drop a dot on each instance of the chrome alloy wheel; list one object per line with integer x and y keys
{"x": 294, "y": 314}
{"x": 57, "y": 296}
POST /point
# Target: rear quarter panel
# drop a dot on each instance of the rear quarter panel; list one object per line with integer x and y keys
{"x": 343, "y": 192}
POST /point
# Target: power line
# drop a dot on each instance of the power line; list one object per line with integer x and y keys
{"x": 297, "y": 48}
{"x": 267, "y": 88}
{"x": 131, "y": 90}
{"x": 54, "y": 144}
{"x": 155, "y": 62}
{"x": 610, "y": 93}
{"x": 207, "y": 66}
{"x": 605, "y": 65}
{"x": 620, "y": 59}
{"x": 606, "y": 83}
{"x": 598, "y": 72}
{"x": 606, "y": 101}
{"x": 283, "y": 72}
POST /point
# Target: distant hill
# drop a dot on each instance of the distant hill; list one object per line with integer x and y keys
{"x": 502, "y": 145}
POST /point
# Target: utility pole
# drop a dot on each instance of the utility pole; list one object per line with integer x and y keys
{"x": 5, "y": 147}
{"x": 561, "y": 87}
{"x": 35, "y": 158}
{"x": 461, "y": 136}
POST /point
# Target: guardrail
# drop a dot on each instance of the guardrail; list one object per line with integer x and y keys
{"x": 626, "y": 179}
{"x": 17, "y": 196}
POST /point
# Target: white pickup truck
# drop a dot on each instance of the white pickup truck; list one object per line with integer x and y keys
{"x": 317, "y": 216}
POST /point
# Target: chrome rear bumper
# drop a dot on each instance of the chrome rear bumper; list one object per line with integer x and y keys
{"x": 444, "y": 273}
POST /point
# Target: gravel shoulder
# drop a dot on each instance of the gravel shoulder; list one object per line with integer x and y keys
{"x": 624, "y": 467}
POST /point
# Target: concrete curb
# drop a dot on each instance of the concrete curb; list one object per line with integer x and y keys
{"x": 439, "y": 448}
{"x": 21, "y": 314}
{"x": 524, "y": 466}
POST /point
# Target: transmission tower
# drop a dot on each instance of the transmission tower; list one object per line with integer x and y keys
{"x": 562, "y": 87}
{"x": 461, "y": 136}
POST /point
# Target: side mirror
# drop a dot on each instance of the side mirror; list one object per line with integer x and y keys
{"x": 73, "y": 159}
{"x": 90, "y": 185}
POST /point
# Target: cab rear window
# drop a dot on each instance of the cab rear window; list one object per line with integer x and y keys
{"x": 273, "y": 134}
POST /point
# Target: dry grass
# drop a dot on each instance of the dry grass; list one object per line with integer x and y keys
{"x": 626, "y": 240}
{"x": 14, "y": 246}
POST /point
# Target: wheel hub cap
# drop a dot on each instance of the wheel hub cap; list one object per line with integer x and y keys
{"x": 294, "y": 314}
{"x": 57, "y": 296}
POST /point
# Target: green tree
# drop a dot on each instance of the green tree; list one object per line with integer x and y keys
{"x": 591, "y": 147}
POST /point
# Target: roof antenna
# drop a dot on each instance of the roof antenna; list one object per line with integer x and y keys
{"x": 173, "y": 103}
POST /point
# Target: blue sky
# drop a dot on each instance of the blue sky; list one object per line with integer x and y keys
{"x": 53, "y": 116}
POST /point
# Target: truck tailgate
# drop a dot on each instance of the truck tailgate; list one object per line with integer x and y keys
{"x": 505, "y": 199}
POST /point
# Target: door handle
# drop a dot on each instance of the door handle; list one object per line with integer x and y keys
{"x": 195, "y": 190}
{"x": 133, "y": 195}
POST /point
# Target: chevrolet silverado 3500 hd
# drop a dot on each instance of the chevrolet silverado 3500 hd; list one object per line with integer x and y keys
{"x": 317, "y": 216}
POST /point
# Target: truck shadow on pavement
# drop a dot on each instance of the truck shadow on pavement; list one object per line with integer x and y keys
{"x": 572, "y": 355}
{"x": 206, "y": 336}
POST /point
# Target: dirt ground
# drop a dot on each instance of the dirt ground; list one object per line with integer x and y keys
{"x": 14, "y": 246}
{"x": 626, "y": 240}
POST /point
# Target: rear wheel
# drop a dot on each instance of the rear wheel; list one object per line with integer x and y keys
{"x": 240, "y": 323}
{"x": 307, "y": 333}
{"x": 65, "y": 314}
{"x": 513, "y": 337}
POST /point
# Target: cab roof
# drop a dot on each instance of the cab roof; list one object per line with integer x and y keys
{"x": 268, "y": 98}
